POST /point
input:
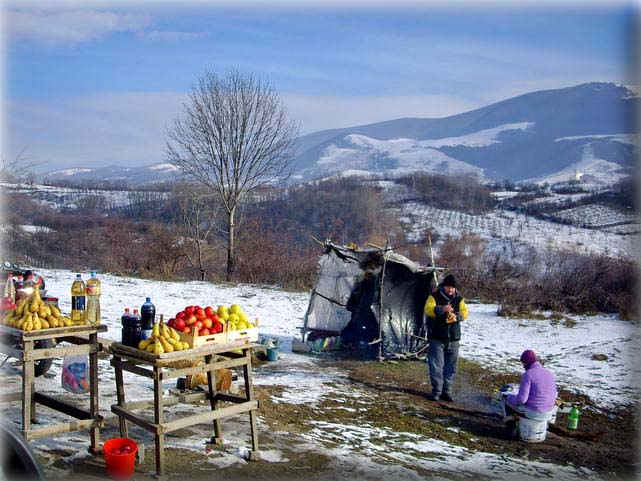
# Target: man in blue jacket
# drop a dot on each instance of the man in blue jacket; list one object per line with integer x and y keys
{"x": 445, "y": 309}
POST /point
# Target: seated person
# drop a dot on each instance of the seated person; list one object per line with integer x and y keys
{"x": 537, "y": 394}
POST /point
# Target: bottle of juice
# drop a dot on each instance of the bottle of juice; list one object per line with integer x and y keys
{"x": 78, "y": 300}
{"x": 148, "y": 316}
{"x": 93, "y": 300}
{"x": 10, "y": 288}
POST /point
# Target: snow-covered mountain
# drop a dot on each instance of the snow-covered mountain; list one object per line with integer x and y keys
{"x": 585, "y": 132}
{"x": 133, "y": 175}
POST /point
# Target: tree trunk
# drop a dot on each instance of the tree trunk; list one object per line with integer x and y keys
{"x": 231, "y": 248}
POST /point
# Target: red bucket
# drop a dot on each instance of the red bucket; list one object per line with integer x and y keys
{"x": 120, "y": 454}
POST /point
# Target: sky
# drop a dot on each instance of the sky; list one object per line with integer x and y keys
{"x": 89, "y": 84}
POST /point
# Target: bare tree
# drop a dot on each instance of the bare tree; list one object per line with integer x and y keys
{"x": 198, "y": 218}
{"x": 233, "y": 137}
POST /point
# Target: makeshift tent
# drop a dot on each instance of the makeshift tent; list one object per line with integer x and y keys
{"x": 346, "y": 300}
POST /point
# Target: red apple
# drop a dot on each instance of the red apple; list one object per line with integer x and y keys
{"x": 179, "y": 324}
{"x": 181, "y": 315}
{"x": 207, "y": 323}
{"x": 171, "y": 322}
{"x": 189, "y": 310}
{"x": 204, "y": 332}
{"x": 199, "y": 325}
{"x": 190, "y": 320}
{"x": 187, "y": 329}
{"x": 200, "y": 313}
{"x": 215, "y": 318}
{"x": 218, "y": 327}
{"x": 209, "y": 311}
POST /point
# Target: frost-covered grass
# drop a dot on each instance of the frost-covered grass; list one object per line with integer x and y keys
{"x": 500, "y": 225}
{"x": 595, "y": 215}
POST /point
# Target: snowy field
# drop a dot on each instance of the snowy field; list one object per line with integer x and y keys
{"x": 595, "y": 215}
{"x": 511, "y": 226}
{"x": 493, "y": 341}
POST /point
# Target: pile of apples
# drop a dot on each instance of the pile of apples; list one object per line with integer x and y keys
{"x": 209, "y": 321}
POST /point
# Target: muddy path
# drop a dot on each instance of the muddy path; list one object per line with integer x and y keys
{"x": 364, "y": 427}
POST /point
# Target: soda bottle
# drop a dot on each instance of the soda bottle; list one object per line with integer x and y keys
{"x": 573, "y": 418}
{"x": 93, "y": 300}
{"x": 28, "y": 286}
{"x": 19, "y": 288}
{"x": 10, "y": 288}
{"x": 78, "y": 300}
{"x": 148, "y": 316}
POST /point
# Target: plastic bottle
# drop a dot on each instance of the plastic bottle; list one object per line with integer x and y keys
{"x": 10, "y": 288}
{"x": 129, "y": 333}
{"x": 93, "y": 300}
{"x": 78, "y": 300}
{"x": 148, "y": 315}
{"x": 28, "y": 286}
{"x": 19, "y": 286}
{"x": 573, "y": 418}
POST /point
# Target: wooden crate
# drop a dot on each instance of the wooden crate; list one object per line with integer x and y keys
{"x": 242, "y": 336}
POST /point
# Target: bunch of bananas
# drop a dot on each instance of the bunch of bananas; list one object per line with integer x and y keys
{"x": 163, "y": 339}
{"x": 33, "y": 313}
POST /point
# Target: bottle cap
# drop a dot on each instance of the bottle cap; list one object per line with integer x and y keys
{"x": 78, "y": 276}
{"x": 126, "y": 309}
{"x": 93, "y": 273}
{"x": 135, "y": 311}
{"x": 148, "y": 299}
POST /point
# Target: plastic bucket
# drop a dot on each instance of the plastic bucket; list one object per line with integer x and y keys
{"x": 552, "y": 419}
{"x": 119, "y": 462}
{"x": 272, "y": 354}
{"x": 532, "y": 430}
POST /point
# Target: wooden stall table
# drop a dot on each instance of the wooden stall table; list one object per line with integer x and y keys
{"x": 23, "y": 346}
{"x": 162, "y": 367}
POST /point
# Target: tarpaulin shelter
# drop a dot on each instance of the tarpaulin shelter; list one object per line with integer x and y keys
{"x": 359, "y": 291}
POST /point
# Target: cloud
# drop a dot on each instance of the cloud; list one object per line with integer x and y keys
{"x": 69, "y": 27}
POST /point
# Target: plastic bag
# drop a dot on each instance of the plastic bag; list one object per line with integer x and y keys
{"x": 75, "y": 374}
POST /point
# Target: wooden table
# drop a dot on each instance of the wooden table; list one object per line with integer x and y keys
{"x": 162, "y": 367}
{"x": 22, "y": 345}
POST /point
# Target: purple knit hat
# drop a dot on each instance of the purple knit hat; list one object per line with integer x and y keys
{"x": 528, "y": 357}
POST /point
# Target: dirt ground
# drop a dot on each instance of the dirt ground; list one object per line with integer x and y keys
{"x": 402, "y": 404}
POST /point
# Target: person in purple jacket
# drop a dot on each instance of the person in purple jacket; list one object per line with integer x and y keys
{"x": 537, "y": 394}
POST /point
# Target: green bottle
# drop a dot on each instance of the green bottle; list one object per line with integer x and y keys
{"x": 573, "y": 418}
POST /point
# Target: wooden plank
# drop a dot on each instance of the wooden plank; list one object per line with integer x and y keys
{"x": 213, "y": 401}
{"x": 159, "y": 418}
{"x": 249, "y": 392}
{"x": 94, "y": 398}
{"x": 128, "y": 366}
{"x": 37, "y": 354}
{"x": 209, "y": 416}
{"x": 232, "y": 398}
{"x": 165, "y": 358}
{"x": 62, "y": 406}
{"x": 28, "y": 376}
{"x": 203, "y": 368}
{"x": 168, "y": 400}
{"x": 134, "y": 418}
{"x": 120, "y": 394}
{"x": 61, "y": 428}
{"x": 10, "y": 397}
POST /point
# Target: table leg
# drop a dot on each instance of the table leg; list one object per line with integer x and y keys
{"x": 211, "y": 383}
{"x": 94, "y": 409}
{"x": 28, "y": 375}
{"x": 120, "y": 396}
{"x": 159, "y": 418}
{"x": 249, "y": 392}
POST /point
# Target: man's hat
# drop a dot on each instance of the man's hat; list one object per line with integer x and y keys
{"x": 528, "y": 357}
{"x": 450, "y": 280}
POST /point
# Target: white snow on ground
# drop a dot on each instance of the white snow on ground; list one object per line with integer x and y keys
{"x": 623, "y": 138}
{"x": 589, "y": 169}
{"x": 506, "y": 226}
{"x": 58, "y": 197}
{"x": 482, "y": 138}
{"x": 595, "y": 215}
{"x": 70, "y": 171}
{"x": 359, "y": 450}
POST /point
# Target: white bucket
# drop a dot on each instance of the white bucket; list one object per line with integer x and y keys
{"x": 552, "y": 419}
{"x": 532, "y": 430}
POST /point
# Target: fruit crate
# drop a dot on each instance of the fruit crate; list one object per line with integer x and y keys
{"x": 236, "y": 337}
